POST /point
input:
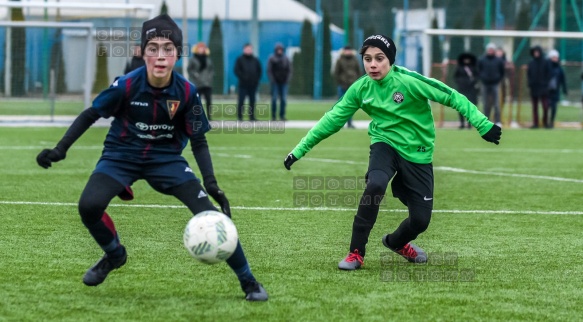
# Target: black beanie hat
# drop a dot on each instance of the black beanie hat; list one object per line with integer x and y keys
{"x": 383, "y": 43}
{"x": 162, "y": 26}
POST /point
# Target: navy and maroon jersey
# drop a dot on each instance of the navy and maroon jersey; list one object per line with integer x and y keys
{"x": 149, "y": 122}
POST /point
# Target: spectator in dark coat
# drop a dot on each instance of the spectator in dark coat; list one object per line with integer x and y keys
{"x": 201, "y": 73}
{"x": 538, "y": 75}
{"x": 466, "y": 79}
{"x": 248, "y": 70}
{"x": 346, "y": 71}
{"x": 506, "y": 83}
{"x": 137, "y": 60}
{"x": 491, "y": 71}
{"x": 556, "y": 83}
{"x": 582, "y": 95}
{"x": 279, "y": 71}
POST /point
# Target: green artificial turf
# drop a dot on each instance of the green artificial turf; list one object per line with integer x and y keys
{"x": 225, "y": 109}
{"x": 505, "y": 239}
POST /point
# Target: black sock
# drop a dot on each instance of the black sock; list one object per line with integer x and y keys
{"x": 240, "y": 266}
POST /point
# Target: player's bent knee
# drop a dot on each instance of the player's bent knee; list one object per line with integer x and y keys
{"x": 419, "y": 218}
{"x": 377, "y": 182}
{"x": 420, "y": 224}
{"x": 97, "y": 194}
{"x": 375, "y": 188}
{"x": 90, "y": 210}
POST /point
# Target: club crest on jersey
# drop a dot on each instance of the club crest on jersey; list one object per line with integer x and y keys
{"x": 172, "y": 107}
{"x": 398, "y": 97}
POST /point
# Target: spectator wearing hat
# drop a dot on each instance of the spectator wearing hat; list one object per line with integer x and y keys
{"x": 506, "y": 85}
{"x": 201, "y": 72}
{"x": 556, "y": 83}
{"x": 248, "y": 70}
{"x": 538, "y": 76}
{"x": 466, "y": 79}
{"x": 137, "y": 60}
{"x": 279, "y": 72}
{"x": 346, "y": 71}
{"x": 491, "y": 73}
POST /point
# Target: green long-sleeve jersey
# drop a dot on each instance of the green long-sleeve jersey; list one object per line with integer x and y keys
{"x": 401, "y": 115}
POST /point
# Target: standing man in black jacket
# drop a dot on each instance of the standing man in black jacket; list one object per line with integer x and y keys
{"x": 248, "y": 71}
{"x": 137, "y": 60}
{"x": 491, "y": 73}
{"x": 538, "y": 75}
{"x": 279, "y": 71}
{"x": 465, "y": 78}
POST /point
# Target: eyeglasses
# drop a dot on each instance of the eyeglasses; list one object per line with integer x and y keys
{"x": 165, "y": 50}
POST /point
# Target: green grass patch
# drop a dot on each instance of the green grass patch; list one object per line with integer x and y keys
{"x": 296, "y": 110}
{"x": 511, "y": 214}
{"x": 40, "y": 107}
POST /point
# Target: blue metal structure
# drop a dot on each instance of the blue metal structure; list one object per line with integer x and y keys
{"x": 235, "y": 34}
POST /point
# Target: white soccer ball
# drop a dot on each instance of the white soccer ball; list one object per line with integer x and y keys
{"x": 211, "y": 237}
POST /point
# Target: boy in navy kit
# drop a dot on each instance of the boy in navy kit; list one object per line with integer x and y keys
{"x": 156, "y": 112}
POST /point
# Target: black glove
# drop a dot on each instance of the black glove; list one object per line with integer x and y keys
{"x": 289, "y": 160}
{"x": 48, "y": 156}
{"x": 493, "y": 135}
{"x": 219, "y": 196}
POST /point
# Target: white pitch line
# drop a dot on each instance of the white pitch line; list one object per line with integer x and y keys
{"x": 512, "y": 150}
{"x": 257, "y": 148}
{"x": 503, "y": 174}
{"x": 240, "y": 156}
{"x": 443, "y": 211}
{"x": 439, "y": 168}
{"x": 335, "y": 161}
{"x": 459, "y": 170}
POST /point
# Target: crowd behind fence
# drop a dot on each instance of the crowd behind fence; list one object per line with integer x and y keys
{"x": 514, "y": 99}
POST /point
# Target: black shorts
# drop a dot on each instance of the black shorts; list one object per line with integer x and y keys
{"x": 412, "y": 182}
{"x": 161, "y": 176}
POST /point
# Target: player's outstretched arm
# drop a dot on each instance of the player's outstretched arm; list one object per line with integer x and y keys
{"x": 330, "y": 123}
{"x": 47, "y": 156}
{"x": 200, "y": 149}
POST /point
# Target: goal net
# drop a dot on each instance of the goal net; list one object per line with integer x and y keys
{"x": 56, "y": 56}
{"x": 514, "y": 100}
